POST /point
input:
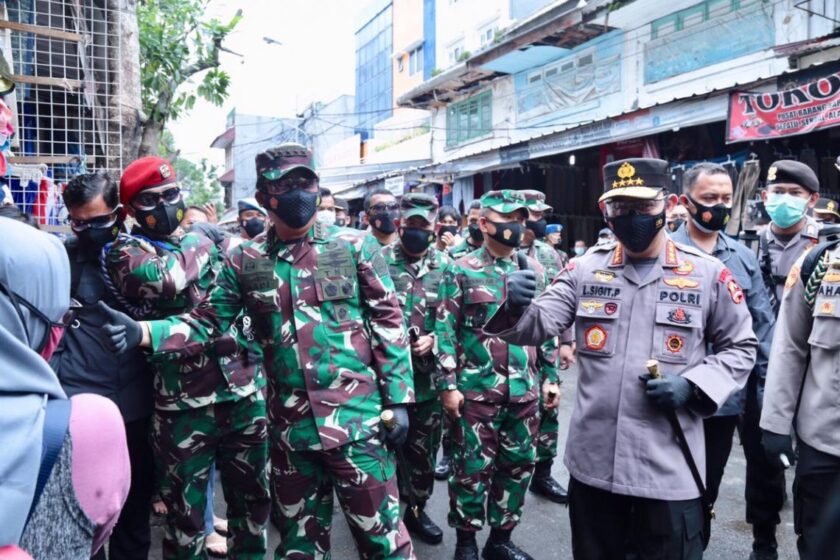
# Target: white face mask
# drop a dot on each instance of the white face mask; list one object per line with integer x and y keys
{"x": 326, "y": 217}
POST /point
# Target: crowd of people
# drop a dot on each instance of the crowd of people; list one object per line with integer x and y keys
{"x": 303, "y": 359}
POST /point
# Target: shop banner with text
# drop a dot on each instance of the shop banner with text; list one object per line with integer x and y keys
{"x": 799, "y": 110}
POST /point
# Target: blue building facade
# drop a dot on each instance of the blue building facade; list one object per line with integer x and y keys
{"x": 374, "y": 80}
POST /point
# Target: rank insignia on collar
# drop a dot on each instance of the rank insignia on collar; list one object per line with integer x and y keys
{"x": 604, "y": 275}
{"x": 618, "y": 256}
{"x": 670, "y": 253}
{"x": 793, "y": 276}
{"x": 674, "y": 343}
{"x": 679, "y": 316}
{"x": 595, "y": 338}
{"x": 681, "y": 283}
{"x": 684, "y": 268}
{"x": 591, "y": 306}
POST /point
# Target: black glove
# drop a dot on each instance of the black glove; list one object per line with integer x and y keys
{"x": 211, "y": 231}
{"x": 120, "y": 332}
{"x": 775, "y": 445}
{"x": 668, "y": 392}
{"x": 521, "y": 286}
{"x": 396, "y": 435}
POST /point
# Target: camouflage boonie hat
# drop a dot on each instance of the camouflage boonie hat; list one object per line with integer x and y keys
{"x": 535, "y": 200}
{"x": 504, "y": 201}
{"x": 275, "y": 163}
{"x": 419, "y": 204}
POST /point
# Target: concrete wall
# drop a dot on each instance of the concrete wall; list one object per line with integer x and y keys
{"x": 461, "y": 22}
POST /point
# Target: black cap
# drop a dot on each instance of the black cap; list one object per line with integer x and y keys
{"x": 796, "y": 172}
{"x": 635, "y": 177}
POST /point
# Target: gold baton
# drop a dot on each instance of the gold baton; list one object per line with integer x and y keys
{"x": 653, "y": 368}
{"x": 388, "y": 420}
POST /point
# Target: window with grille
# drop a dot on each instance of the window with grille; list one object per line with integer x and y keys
{"x": 469, "y": 119}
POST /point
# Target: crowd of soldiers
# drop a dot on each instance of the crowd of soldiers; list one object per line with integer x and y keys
{"x": 308, "y": 359}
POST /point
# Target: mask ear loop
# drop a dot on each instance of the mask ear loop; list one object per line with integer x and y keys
{"x": 16, "y": 301}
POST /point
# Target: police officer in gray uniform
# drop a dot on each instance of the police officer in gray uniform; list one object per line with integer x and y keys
{"x": 804, "y": 376}
{"x": 792, "y": 188}
{"x": 640, "y": 298}
{"x": 707, "y": 195}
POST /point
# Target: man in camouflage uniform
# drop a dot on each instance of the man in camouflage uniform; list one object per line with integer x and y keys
{"x": 543, "y": 484}
{"x": 473, "y": 237}
{"x": 208, "y": 402}
{"x": 417, "y": 269}
{"x": 382, "y": 210}
{"x": 490, "y": 388}
{"x": 325, "y": 312}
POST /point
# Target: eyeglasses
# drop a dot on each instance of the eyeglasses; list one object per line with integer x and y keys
{"x": 97, "y": 222}
{"x": 382, "y": 207}
{"x": 624, "y": 207}
{"x": 148, "y": 200}
{"x": 286, "y": 184}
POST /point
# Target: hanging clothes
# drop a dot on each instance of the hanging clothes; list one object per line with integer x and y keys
{"x": 744, "y": 192}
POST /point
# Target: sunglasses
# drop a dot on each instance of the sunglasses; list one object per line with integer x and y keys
{"x": 385, "y": 207}
{"x": 148, "y": 200}
{"x": 97, "y": 222}
{"x": 287, "y": 184}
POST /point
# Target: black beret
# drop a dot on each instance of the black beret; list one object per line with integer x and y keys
{"x": 796, "y": 172}
{"x": 635, "y": 177}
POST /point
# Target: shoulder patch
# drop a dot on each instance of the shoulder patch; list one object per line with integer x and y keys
{"x": 735, "y": 291}
{"x": 793, "y": 277}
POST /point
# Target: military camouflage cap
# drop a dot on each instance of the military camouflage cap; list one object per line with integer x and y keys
{"x": 275, "y": 163}
{"x": 504, "y": 201}
{"x": 635, "y": 177}
{"x": 419, "y": 204}
{"x": 535, "y": 200}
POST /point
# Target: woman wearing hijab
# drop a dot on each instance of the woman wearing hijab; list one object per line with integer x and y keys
{"x": 86, "y": 487}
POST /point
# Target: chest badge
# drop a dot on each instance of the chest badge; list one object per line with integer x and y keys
{"x": 827, "y": 308}
{"x": 681, "y": 283}
{"x": 674, "y": 343}
{"x": 685, "y": 268}
{"x": 595, "y": 338}
{"x": 610, "y": 308}
{"x": 591, "y": 306}
{"x": 604, "y": 275}
{"x": 679, "y": 316}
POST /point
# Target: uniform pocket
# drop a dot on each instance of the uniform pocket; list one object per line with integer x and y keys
{"x": 479, "y": 306}
{"x": 826, "y": 323}
{"x": 595, "y": 322}
{"x": 678, "y": 329}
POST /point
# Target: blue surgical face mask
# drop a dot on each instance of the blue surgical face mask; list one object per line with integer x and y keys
{"x": 785, "y": 210}
{"x": 579, "y": 251}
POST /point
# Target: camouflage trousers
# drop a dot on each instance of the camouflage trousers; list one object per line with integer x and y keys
{"x": 493, "y": 454}
{"x": 420, "y": 450}
{"x": 185, "y": 444}
{"x": 363, "y": 476}
{"x": 548, "y": 435}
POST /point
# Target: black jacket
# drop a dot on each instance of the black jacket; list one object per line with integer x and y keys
{"x": 81, "y": 361}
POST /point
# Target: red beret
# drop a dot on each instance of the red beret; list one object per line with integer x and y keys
{"x": 145, "y": 173}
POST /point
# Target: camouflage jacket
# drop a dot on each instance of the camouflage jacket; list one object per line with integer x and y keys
{"x": 371, "y": 244}
{"x": 326, "y": 315}
{"x": 461, "y": 249}
{"x": 482, "y": 367}
{"x": 550, "y": 259}
{"x": 417, "y": 284}
{"x": 171, "y": 277}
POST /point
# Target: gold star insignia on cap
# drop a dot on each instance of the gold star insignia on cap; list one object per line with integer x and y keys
{"x": 771, "y": 173}
{"x": 831, "y": 205}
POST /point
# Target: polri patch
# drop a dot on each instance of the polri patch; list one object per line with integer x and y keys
{"x": 674, "y": 343}
{"x": 679, "y": 316}
{"x": 595, "y": 337}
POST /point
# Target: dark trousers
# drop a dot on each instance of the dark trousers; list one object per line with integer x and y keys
{"x": 719, "y": 431}
{"x": 132, "y": 537}
{"x": 765, "y": 484}
{"x": 817, "y": 478}
{"x": 606, "y": 526}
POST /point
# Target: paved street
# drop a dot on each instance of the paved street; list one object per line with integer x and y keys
{"x": 545, "y": 532}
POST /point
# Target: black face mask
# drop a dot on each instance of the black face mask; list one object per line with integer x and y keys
{"x": 538, "y": 227}
{"x": 475, "y": 234}
{"x": 558, "y": 246}
{"x": 710, "y": 218}
{"x": 253, "y": 226}
{"x": 451, "y": 229}
{"x": 383, "y": 221}
{"x": 163, "y": 220}
{"x": 674, "y": 225}
{"x": 93, "y": 239}
{"x": 416, "y": 240}
{"x": 637, "y": 231}
{"x": 507, "y": 233}
{"x": 294, "y": 208}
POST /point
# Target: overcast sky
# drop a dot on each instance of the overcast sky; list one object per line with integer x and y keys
{"x": 315, "y": 63}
